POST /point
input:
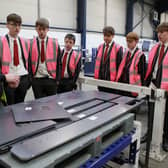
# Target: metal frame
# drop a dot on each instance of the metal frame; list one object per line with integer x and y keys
{"x": 92, "y": 142}
{"x": 158, "y": 124}
{"x": 157, "y": 99}
{"x": 132, "y": 139}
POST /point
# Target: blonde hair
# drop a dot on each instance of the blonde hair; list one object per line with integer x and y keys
{"x": 132, "y": 36}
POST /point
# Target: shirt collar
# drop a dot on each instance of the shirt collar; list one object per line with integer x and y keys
{"x": 110, "y": 43}
{"x": 67, "y": 51}
{"x": 132, "y": 51}
{"x": 45, "y": 39}
{"x": 165, "y": 44}
{"x": 12, "y": 38}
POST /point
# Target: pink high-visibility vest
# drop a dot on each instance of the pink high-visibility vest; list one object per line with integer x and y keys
{"x": 134, "y": 77}
{"x": 75, "y": 57}
{"x": 5, "y": 53}
{"x": 164, "y": 78}
{"x": 151, "y": 56}
{"x": 113, "y": 58}
{"x": 51, "y": 56}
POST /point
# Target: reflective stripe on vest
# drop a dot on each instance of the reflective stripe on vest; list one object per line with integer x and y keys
{"x": 5, "y": 54}
{"x": 113, "y": 55}
{"x": 134, "y": 77}
{"x": 164, "y": 79}
{"x": 151, "y": 56}
{"x": 122, "y": 65}
{"x": 51, "y": 56}
{"x": 75, "y": 57}
{"x": 26, "y": 46}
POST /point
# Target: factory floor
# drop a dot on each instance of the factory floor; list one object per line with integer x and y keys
{"x": 140, "y": 116}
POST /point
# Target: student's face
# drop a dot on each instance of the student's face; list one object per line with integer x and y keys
{"x": 108, "y": 38}
{"x": 131, "y": 44}
{"x": 163, "y": 36}
{"x": 42, "y": 31}
{"x": 69, "y": 43}
{"x": 13, "y": 28}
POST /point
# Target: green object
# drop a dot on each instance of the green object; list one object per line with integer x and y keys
{"x": 3, "y": 97}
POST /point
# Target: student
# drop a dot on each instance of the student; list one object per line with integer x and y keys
{"x": 71, "y": 65}
{"x": 108, "y": 58}
{"x": 133, "y": 66}
{"x": 45, "y": 61}
{"x": 157, "y": 74}
{"x": 14, "y": 59}
{"x": 8, "y": 79}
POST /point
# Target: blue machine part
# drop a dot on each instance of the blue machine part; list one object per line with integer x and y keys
{"x": 94, "y": 53}
{"x": 89, "y": 65}
{"x": 111, "y": 151}
{"x": 145, "y": 46}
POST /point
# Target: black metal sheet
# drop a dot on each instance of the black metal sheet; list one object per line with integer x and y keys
{"x": 123, "y": 100}
{"x": 11, "y": 133}
{"x": 70, "y": 99}
{"x": 94, "y": 110}
{"x": 84, "y": 106}
{"x": 38, "y": 111}
{"x": 36, "y": 146}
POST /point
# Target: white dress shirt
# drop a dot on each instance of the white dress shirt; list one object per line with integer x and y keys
{"x": 42, "y": 68}
{"x": 19, "y": 69}
{"x": 66, "y": 75}
{"x": 133, "y": 51}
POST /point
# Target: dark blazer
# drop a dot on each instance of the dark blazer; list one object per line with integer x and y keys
{"x": 2, "y": 81}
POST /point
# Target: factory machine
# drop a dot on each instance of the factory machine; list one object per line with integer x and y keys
{"x": 74, "y": 129}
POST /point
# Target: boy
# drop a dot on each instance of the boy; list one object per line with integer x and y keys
{"x": 71, "y": 65}
{"x": 45, "y": 61}
{"x": 14, "y": 59}
{"x": 108, "y": 58}
{"x": 133, "y": 66}
{"x": 157, "y": 75}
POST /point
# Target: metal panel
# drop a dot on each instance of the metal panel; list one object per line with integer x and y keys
{"x": 71, "y": 98}
{"x": 11, "y": 133}
{"x": 38, "y": 145}
{"x": 67, "y": 151}
{"x": 38, "y": 111}
{"x": 123, "y": 99}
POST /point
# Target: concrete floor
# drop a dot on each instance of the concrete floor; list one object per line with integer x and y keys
{"x": 141, "y": 116}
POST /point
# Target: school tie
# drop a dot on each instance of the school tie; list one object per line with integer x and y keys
{"x": 128, "y": 59}
{"x": 64, "y": 64}
{"x": 161, "y": 53}
{"x": 105, "y": 53}
{"x": 42, "y": 52}
{"x": 16, "y": 55}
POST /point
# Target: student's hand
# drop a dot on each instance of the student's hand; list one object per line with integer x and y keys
{"x": 12, "y": 80}
{"x": 13, "y": 85}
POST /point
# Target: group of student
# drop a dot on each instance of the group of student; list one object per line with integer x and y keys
{"x": 38, "y": 62}
{"x": 115, "y": 64}
{"x": 41, "y": 63}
